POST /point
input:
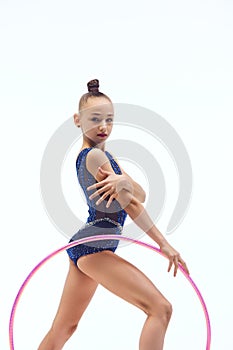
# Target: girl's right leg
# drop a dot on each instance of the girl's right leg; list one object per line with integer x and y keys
{"x": 77, "y": 293}
{"x": 126, "y": 281}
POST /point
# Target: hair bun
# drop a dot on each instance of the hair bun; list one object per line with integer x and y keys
{"x": 93, "y": 86}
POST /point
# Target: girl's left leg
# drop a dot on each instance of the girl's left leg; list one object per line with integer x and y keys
{"x": 77, "y": 293}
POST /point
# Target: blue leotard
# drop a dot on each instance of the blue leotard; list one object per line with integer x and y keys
{"x": 101, "y": 220}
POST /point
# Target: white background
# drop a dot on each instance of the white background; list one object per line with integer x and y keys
{"x": 173, "y": 57}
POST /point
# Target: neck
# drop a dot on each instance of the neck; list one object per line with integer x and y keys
{"x": 88, "y": 143}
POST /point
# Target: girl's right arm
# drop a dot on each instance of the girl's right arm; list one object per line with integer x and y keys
{"x": 139, "y": 215}
{"x": 136, "y": 211}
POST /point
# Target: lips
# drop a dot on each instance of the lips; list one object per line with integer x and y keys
{"x": 102, "y": 135}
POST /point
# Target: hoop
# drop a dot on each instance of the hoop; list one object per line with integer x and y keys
{"x": 98, "y": 238}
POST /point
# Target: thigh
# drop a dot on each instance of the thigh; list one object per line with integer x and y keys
{"x": 77, "y": 293}
{"x": 122, "y": 278}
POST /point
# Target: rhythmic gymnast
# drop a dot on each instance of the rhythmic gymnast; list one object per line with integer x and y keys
{"x": 111, "y": 195}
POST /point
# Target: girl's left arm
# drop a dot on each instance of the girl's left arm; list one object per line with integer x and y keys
{"x": 137, "y": 190}
{"x": 132, "y": 186}
{"x": 111, "y": 184}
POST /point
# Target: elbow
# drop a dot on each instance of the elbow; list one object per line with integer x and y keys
{"x": 126, "y": 199}
{"x": 143, "y": 197}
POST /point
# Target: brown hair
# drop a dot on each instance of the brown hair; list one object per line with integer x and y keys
{"x": 93, "y": 91}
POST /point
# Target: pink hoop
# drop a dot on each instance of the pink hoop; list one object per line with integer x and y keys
{"x": 93, "y": 239}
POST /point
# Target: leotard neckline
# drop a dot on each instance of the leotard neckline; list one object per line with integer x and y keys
{"x": 86, "y": 148}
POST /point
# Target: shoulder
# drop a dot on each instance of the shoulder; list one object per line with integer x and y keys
{"x": 97, "y": 158}
{"x": 95, "y": 155}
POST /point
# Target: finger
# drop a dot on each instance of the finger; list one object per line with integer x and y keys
{"x": 104, "y": 172}
{"x": 176, "y": 265}
{"x": 96, "y": 185}
{"x": 106, "y": 194}
{"x": 98, "y": 192}
{"x": 184, "y": 265}
{"x": 113, "y": 196}
{"x": 170, "y": 264}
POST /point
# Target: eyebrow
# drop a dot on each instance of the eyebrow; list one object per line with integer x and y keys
{"x": 99, "y": 113}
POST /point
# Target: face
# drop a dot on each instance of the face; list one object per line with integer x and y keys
{"x": 95, "y": 120}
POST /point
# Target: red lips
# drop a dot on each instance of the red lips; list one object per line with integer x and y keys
{"x": 102, "y": 135}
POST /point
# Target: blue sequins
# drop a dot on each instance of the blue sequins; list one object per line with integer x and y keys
{"x": 101, "y": 220}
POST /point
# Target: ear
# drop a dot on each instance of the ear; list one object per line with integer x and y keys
{"x": 77, "y": 120}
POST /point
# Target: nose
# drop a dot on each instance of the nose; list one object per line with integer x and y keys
{"x": 102, "y": 125}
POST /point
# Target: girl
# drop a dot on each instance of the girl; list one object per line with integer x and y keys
{"x": 111, "y": 194}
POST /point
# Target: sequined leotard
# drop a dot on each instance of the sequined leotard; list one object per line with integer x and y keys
{"x": 101, "y": 220}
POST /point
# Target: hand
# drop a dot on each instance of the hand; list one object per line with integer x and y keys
{"x": 110, "y": 186}
{"x": 174, "y": 258}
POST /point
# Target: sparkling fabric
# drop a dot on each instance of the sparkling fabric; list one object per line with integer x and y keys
{"x": 101, "y": 220}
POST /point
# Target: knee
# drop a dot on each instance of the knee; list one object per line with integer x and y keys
{"x": 63, "y": 332}
{"x": 167, "y": 311}
{"x": 70, "y": 330}
{"x": 161, "y": 309}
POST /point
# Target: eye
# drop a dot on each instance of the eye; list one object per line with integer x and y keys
{"x": 95, "y": 119}
{"x": 109, "y": 120}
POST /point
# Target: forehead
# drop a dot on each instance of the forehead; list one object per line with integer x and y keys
{"x": 97, "y": 104}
